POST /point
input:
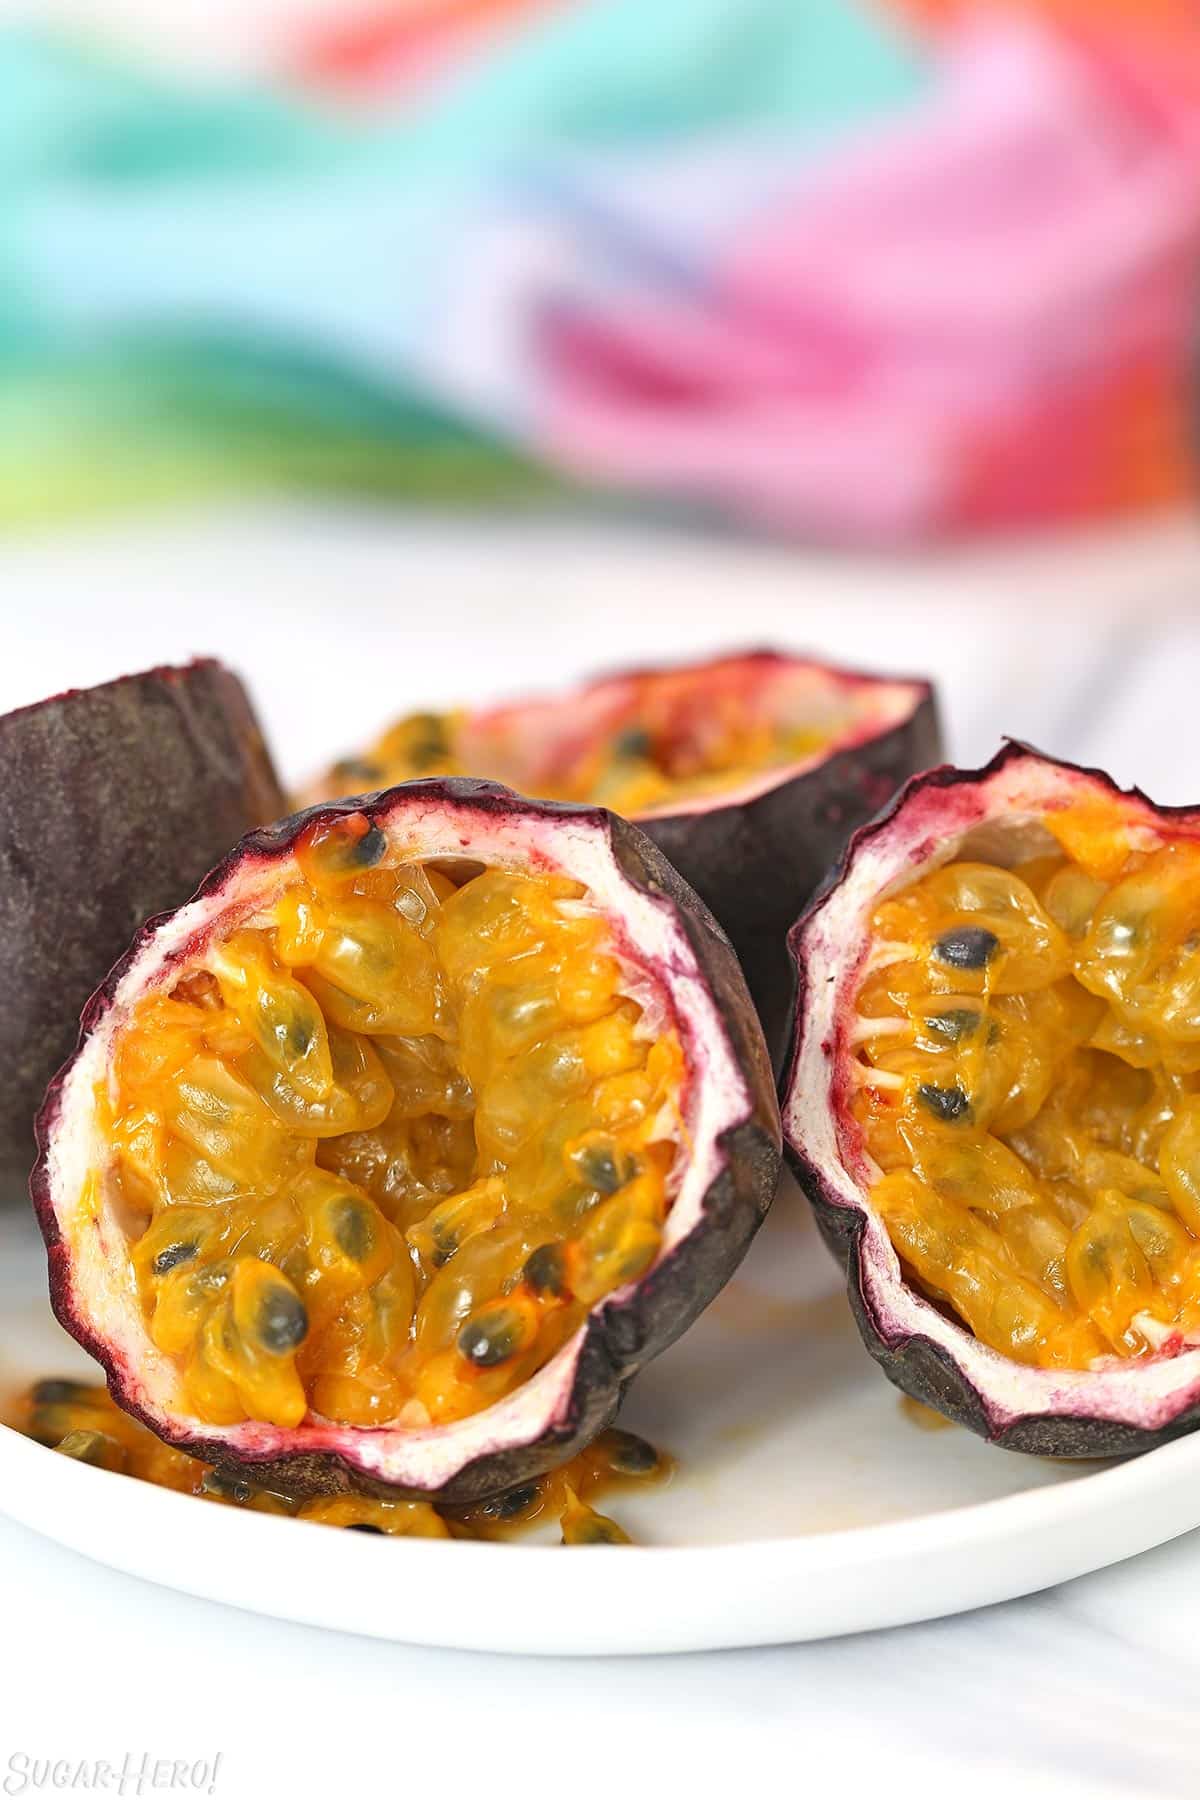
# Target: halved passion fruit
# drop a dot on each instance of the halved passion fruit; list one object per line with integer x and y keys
{"x": 114, "y": 801}
{"x": 388, "y": 1160}
{"x": 81, "y": 1421}
{"x": 994, "y": 1101}
{"x": 750, "y": 772}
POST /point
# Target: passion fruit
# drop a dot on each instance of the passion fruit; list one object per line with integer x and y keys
{"x": 114, "y": 801}
{"x": 80, "y": 1420}
{"x": 750, "y": 772}
{"x": 386, "y": 1162}
{"x": 994, "y": 1101}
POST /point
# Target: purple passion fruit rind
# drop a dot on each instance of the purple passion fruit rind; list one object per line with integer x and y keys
{"x": 754, "y": 861}
{"x": 724, "y": 1178}
{"x": 1119, "y": 1403}
{"x": 115, "y": 801}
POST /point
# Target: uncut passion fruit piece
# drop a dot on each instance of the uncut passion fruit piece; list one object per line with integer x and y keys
{"x": 994, "y": 1101}
{"x": 388, "y": 1160}
{"x": 750, "y": 772}
{"x": 114, "y": 801}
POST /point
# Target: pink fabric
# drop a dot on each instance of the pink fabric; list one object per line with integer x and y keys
{"x": 940, "y": 285}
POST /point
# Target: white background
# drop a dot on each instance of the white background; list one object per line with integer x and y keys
{"x": 1092, "y": 649}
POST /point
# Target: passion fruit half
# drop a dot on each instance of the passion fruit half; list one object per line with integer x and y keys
{"x": 388, "y": 1160}
{"x": 114, "y": 801}
{"x": 994, "y": 1101}
{"x": 750, "y": 772}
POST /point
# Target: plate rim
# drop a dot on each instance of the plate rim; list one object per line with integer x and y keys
{"x": 1037, "y": 1533}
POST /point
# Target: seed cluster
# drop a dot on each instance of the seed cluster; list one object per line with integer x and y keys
{"x": 671, "y": 736}
{"x": 381, "y": 1149}
{"x": 1027, "y": 1064}
{"x": 79, "y": 1420}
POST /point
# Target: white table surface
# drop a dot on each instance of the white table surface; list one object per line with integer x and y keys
{"x": 1090, "y": 649}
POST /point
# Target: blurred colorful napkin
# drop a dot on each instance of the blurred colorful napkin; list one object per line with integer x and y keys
{"x": 830, "y": 268}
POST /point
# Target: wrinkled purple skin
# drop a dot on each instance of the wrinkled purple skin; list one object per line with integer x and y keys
{"x": 114, "y": 801}
{"x": 621, "y": 1339}
{"x": 756, "y": 863}
{"x": 915, "y": 1365}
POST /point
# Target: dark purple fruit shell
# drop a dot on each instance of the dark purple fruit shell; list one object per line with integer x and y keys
{"x": 756, "y": 854}
{"x": 114, "y": 801}
{"x": 666, "y": 936}
{"x": 1117, "y": 1409}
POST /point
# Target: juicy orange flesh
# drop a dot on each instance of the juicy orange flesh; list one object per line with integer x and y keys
{"x": 380, "y": 1151}
{"x": 1027, "y": 1079}
{"x": 81, "y": 1421}
{"x": 660, "y": 752}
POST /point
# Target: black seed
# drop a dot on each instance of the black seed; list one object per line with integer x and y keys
{"x": 367, "y": 850}
{"x": 955, "y": 1025}
{"x": 629, "y": 1454}
{"x": 947, "y": 1103}
{"x": 368, "y": 1530}
{"x": 354, "y": 1229}
{"x": 93, "y": 1447}
{"x": 49, "y": 1425}
{"x": 967, "y": 947}
{"x": 633, "y": 743}
{"x": 429, "y": 741}
{"x": 58, "y": 1392}
{"x": 50, "y": 1420}
{"x": 172, "y": 1256}
{"x": 545, "y": 1270}
{"x": 490, "y": 1340}
{"x": 300, "y": 1036}
{"x": 445, "y": 1242}
{"x": 353, "y": 768}
{"x": 226, "y": 1487}
{"x": 511, "y": 1505}
{"x": 598, "y": 1167}
{"x": 282, "y": 1322}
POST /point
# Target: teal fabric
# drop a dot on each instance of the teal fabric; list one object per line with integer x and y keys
{"x": 231, "y": 286}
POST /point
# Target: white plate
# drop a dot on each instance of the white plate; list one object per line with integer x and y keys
{"x": 807, "y": 1503}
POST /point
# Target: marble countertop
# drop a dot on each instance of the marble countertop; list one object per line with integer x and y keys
{"x": 1090, "y": 649}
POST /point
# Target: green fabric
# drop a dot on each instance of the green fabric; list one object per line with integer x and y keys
{"x": 146, "y": 220}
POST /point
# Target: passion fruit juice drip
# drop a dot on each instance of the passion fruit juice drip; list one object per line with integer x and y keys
{"x": 382, "y": 1149}
{"x": 1027, "y": 1082}
{"x": 651, "y": 760}
{"x": 80, "y": 1421}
